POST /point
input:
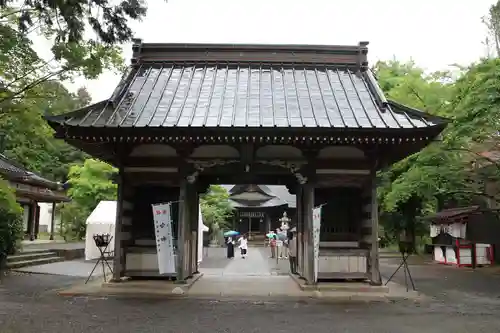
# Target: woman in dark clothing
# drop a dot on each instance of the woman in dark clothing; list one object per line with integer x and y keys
{"x": 230, "y": 247}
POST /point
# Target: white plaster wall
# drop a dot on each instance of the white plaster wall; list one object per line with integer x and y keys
{"x": 26, "y": 216}
{"x": 465, "y": 256}
{"x": 451, "y": 258}
{"x": 438, "y": 254}
{"x": 482, "y": 254}
{"x": 46, "y": 215}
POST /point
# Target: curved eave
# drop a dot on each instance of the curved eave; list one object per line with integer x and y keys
{"x": 275, "y": 202}
{"x": 434, "y": 121}
{"x": 76, "y": 117}
{"x": 42, "y": 197}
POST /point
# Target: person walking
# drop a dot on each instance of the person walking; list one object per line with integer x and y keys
{"x": 292, "y": 252}
{"x": 272, "y": 245}
{"x": 243, "y": 245}
{"x": 230, "y": 247}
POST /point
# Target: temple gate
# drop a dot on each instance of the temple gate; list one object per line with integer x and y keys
{"x": 311, "y": 118}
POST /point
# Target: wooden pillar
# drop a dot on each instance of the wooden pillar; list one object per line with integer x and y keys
{"x": 308, "y": 205}
{"x": 300, "y": 231}
{"x": 37, "y": 220}
{"x": 32, "y": 221}
{"x": 192, "y": 201}
{"x": 374, "y": 255}
{"x": 183, "y": 231}
{"x": 196, "y": 231}
{"x": 118, "y": 257}
{"x": 52, "y": 219}
{"x": 267, "y": 223}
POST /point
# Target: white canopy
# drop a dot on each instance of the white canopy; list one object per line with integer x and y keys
{"x": 101, "y": 221}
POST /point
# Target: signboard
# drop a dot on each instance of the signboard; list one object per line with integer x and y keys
{"x": 316, "y": 232}
{"x": 164, "y": 238}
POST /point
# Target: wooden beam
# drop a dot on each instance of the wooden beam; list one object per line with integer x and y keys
{"x": 155, "y": 162}
{"x": 173, "y": 179}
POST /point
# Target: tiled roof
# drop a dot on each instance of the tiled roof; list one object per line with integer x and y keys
{"x": 447, "y": 214}
{"x": 6, "y": 166}
{"x": 251, "y": 95}
{"x": 279, "y": 196}
{"x": 11, "y": 169}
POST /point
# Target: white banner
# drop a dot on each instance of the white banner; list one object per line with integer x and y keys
{"x": 164, "y": 239}
{"x": 316, "y": 232}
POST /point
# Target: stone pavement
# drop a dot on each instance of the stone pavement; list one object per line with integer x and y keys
{"x": 75, "y": 268}
{"x": 249, "y": 277}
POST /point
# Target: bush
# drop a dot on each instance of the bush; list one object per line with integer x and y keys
{"x": 73, "y": 219}
{"x": 11, "y": 222}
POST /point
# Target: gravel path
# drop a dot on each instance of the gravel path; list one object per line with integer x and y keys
{"x": 461, "y": 301}
{"x": 55, "y": 314}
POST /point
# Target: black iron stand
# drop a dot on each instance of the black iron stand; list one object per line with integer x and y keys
{"x": 406, "y": 269}
{"x": 102, "y": 244}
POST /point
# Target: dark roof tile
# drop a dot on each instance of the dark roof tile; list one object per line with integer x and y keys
{"x": 252, "y": 95}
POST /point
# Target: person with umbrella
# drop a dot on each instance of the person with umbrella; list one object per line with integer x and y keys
{"x": 230, "y": 243}
{"x": 272, "y": 243}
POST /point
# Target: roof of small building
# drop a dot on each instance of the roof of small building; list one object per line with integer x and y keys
{"x": 278, "y": 196}
{"x": 12, "y": 170}
{"x": 246, "y": 86}
{"x": 447, "y": 215}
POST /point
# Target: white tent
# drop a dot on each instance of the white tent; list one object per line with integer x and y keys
{"x": 201, "y": 229}
{"x": 101, "y": 221}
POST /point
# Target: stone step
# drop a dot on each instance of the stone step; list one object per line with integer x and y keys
{"x": 34, "y": 262}
{"x": 32, "y": 251}
{"x": 27, "y": 256}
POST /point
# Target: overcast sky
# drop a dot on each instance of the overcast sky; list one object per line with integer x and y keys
{"x": 434, "y": 33}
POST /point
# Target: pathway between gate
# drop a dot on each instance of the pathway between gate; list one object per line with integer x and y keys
{"x": 252, "y": 276}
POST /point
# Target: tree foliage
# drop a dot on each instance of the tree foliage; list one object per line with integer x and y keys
{"x": 451, "y": 171}
{"x": 82, "y": 39}
{"x": 492, "y": 22}
{"x": 216, "y": 208}
{"x": 10, "y": 221}
{"x": 22, "y": 69}
{"x": 90, "y": 183}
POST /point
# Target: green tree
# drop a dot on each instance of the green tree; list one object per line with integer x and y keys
{"x": 405, "y": 190}
{"x": 453, "y": 169}
{"x": 90, "y": 183}
{"x": 28, "y": 138}
{"x": 74, "y": 50}
{"x": 492, "y": 22}
{"x": 22, "y": 69}
{"x": 216, "y": 208}
{"x": 11, "y": 224}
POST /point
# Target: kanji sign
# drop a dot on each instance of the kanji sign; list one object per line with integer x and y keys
{"x": 164, "y": 238}
{"x": 316, "y": 234}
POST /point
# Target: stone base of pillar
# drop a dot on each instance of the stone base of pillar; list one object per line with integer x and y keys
{"x": 180, "y": 282}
